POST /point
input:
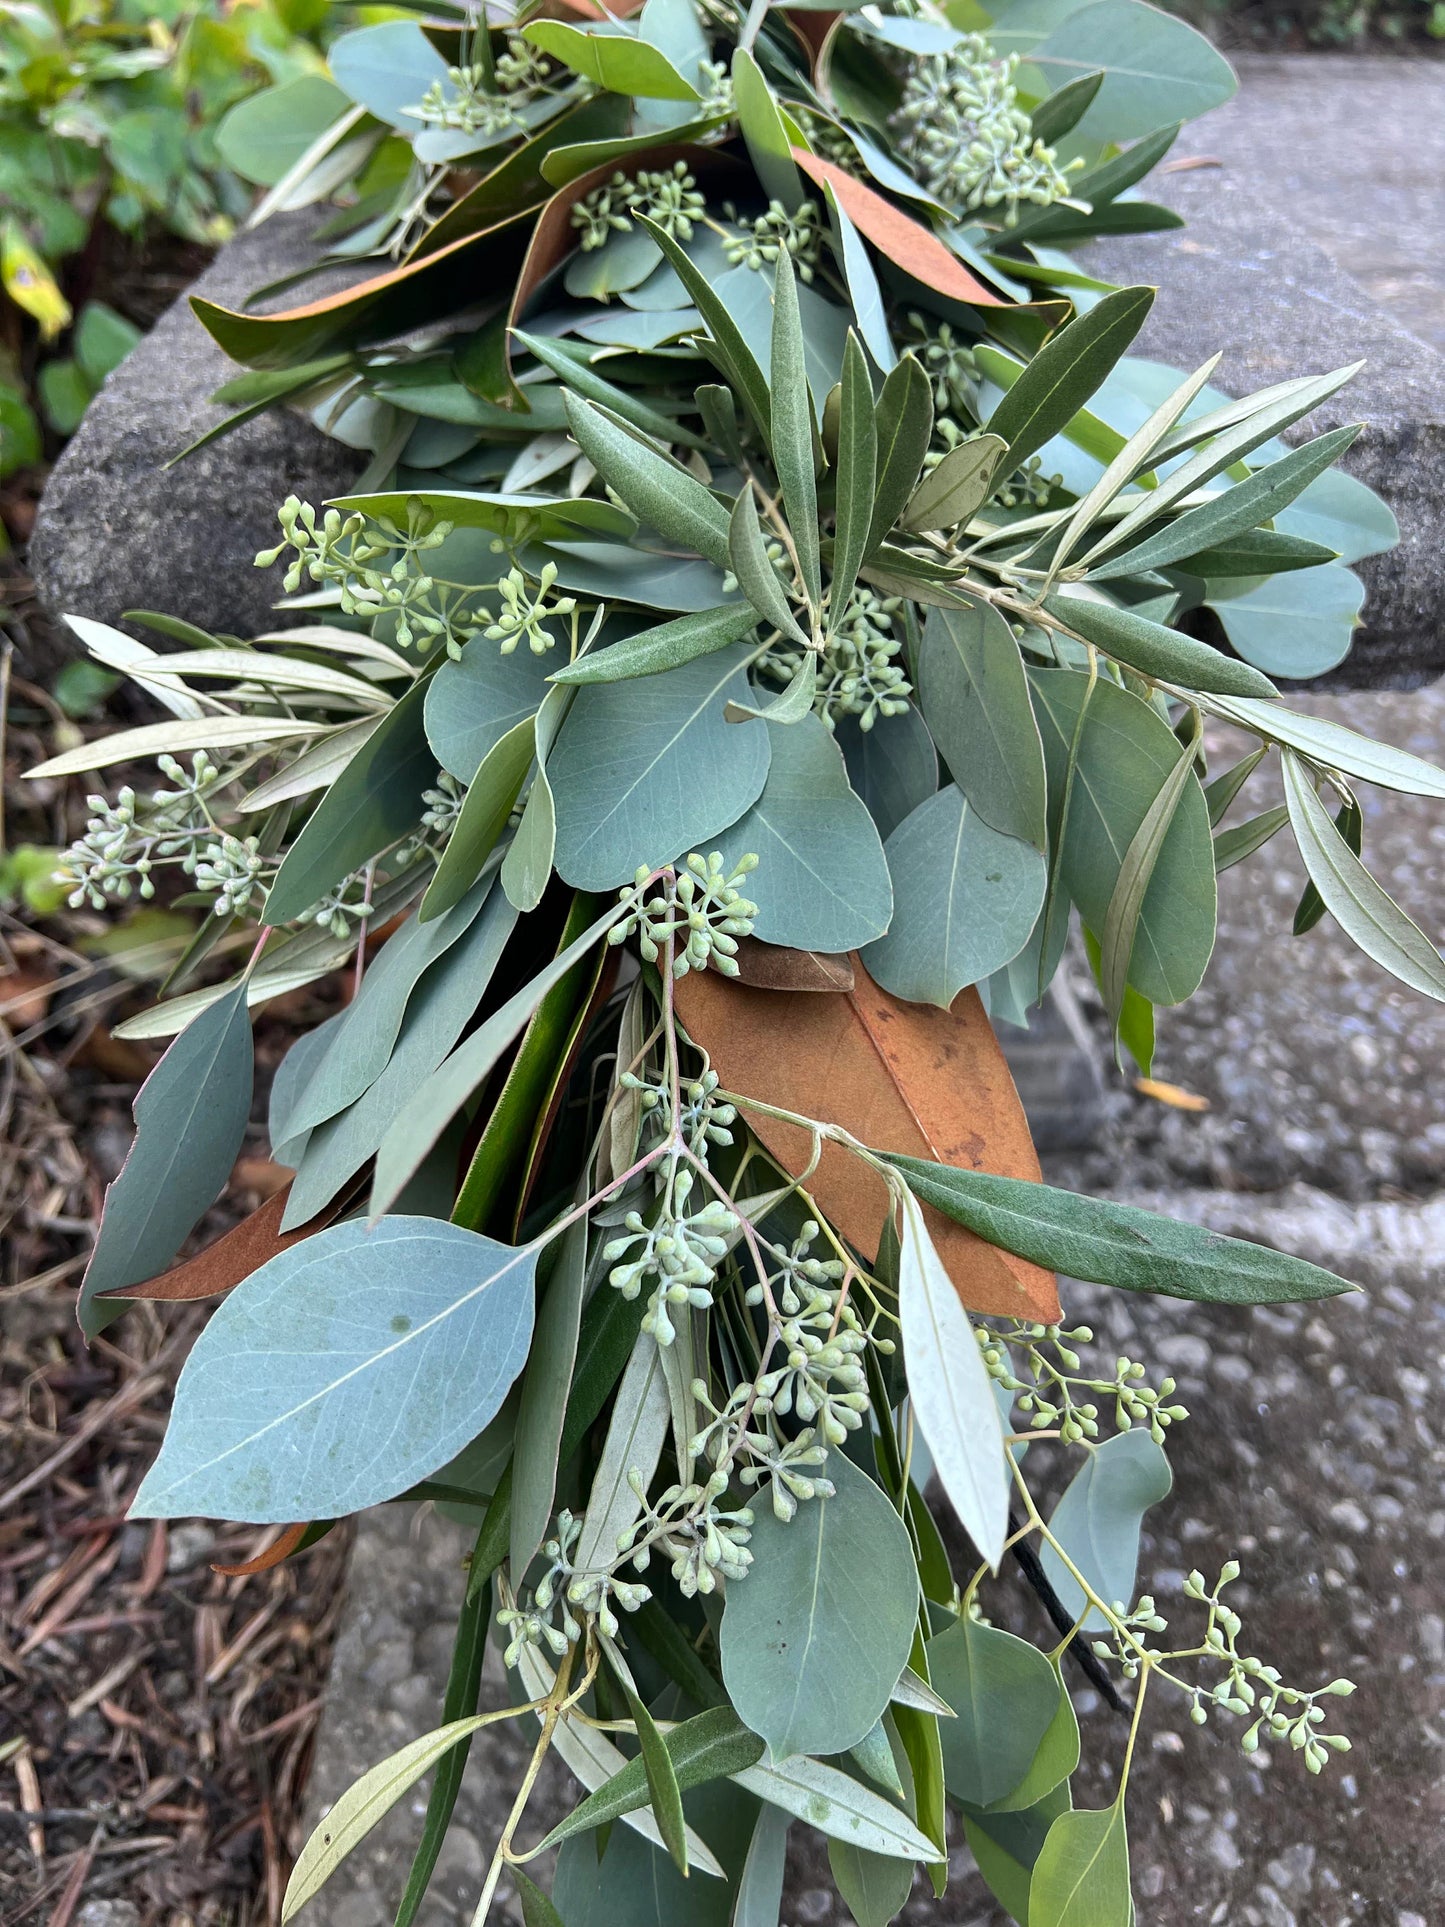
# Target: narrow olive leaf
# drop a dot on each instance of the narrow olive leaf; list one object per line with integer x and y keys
{"x": 664, "y": 1792}
{"x": 740, "y": 363}
{"x": 905, "y": 427}
{"x": 791, "y": 705}
{"x": 286, "y": 1406}
{"x": 651, "y": 651}
{"x": 585, "y": 381}
{"x": 1235, "y": 511}
{"x": 760, "y": 1886}
{"x": 857, "y": 477}
{"x": 952, "y": 1394}
{"x": 1133, "y": 456}
{"x": 545, "y": 1389}
{"x": 174, "y": 739}
{"x": 1258, "y": 552}
{"x": 1221, "y": 792}
{"x": 1241, "y": 840}
{"x": 1065, "y": 372}
{"x": 375, "y": 801}
{"x": 974, "y": 694}
{"x": 794, "y": 434}
{"x": 1350, "y": 823}
{"x": 757, "y": 577}
{"x": 955, "y": 490}
{"x": 365, "y": 1802}
{"x": 1156, "y": 651}
{"x": 1362, "y": 909}
{"x": 1081, "y": 1878}
{"x": 714, "y": 1745}
{"x": 1097, "y": 1522}
{"x": 486, "y": 807}
{"x": 1336, "y": 747}
{"x": 674, "y": 503}
{"x": 190, "y": 1123}
{"x": 1121, "y": 925}
{"x": 464, "y": 1685}
{"x": 838, "y": 1805}
{"x": 633, "y": 1445}
{"x": 1239, "y": 433}
{"x": 1115, "y": 1244}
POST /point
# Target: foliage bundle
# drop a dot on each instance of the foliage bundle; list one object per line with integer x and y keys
{"x": 775, "y": 611}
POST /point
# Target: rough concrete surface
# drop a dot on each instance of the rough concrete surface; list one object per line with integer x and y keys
{"x": 1320, "y": 204}
{"x": 117, "y": 530}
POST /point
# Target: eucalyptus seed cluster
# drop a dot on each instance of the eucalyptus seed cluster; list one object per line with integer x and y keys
{"x": 860, "y": 669}
{"x": 701, "y": 904}
{"x": 566, "y": 1595}
{"x": 961, "y": 129}
{"x": 776, "y": 232}
{"x": 668, "y": 196}
{"x": 677, "y": 1253}
{"x": 1038, "y": 1363}
{"x": 1246, "y": 1687}
{"x": 465, "y": 103}
{"x": 525, "y": 612}
{"x": 694, "y": 1527}
{"x": 376, "y": 566}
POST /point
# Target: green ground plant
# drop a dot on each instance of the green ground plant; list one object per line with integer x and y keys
{"x": 775, "y": 612}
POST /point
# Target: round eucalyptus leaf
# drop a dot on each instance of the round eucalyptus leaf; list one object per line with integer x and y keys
{"x": 473, "y": 702}
{"x": 349, "y": 1367}
{"x": 1004, "y": 1694}
{"x": 1098, "y": 1521}
{"x": 814, "y": 1639}
{"x": 1299, "y": 624}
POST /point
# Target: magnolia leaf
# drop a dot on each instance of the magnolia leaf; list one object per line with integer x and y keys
{"x": 650, "y": 651}
{"x": 966, "y": 900}
{"x": 957, "y": 488}
{"x": 1115, "y": 1244}
{"x": 1081, "y": 1878}
{"x": 473, "y": 702}
{"x": 839, "y": 1806}
{"x": 813, "y": 1642}
{"x": 234, "y": 1256}
{"x": 713, "y": 1746}
{"x": 1098, "y": 1521}
{"x": 910, "y": 246}
{"x": 1366, "y": 914}
{"x": 953, "y": 1398}
{"x": 1005, "y": 1695}
{"x": 822, "y": 879}
{"x": 772, "y": 967}
{"x": 1065, "y": 372}
{"x": 190, "y": 1122}
{"x": 1155, "y": 650}
{"x": 869, "y": 1062}
{"x": 436, "y": 1015}
{"x": 366, "y": 1801}
{"x": 286, "y": 1408}
{"x": 1122, "y": 753}
{"x": 975, "y": 694}
{"x": 625, "y": 771}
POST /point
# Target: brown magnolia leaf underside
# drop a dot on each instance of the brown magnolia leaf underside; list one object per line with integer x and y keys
{"x": 279, "y": 1549}
{"x": 771, "y": 966}
{"x": 900, "y": 1077}
{"x": 900, "y": 239}
{"x": 242, "y": 1250}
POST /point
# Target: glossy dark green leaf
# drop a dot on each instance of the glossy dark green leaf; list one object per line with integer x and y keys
{"x": 286, "y": 1408}
{"x": 666, "y": 646}
{"x": 1081, "y": 1878}
{"x": 437, "y": 1012}
{"x": 621, "y": 63}
{"x": 813, "y": 1643}
{"x": 965, "y": 899}
{"x": 658, "y": 492}
{"x": 1004, "y": 1694}
{"x": 374, "y": 802}
{"x": 625, "y": 772}
{"x": 1116, "y": 1244}
{"x": 905, "y": 428}
{"x": 1155, "y": 650}
{"x": 1066, "y": 371}
{"x": 1366, "y": 914}
{"x": 1124, "y": 753}
{"x": 822, "y": 879}
{"x": 1235, "y": 511}
{"x": 793, "y": 432}
{"x": 190, "y": 1123}
{"x": 975, "y": 695}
